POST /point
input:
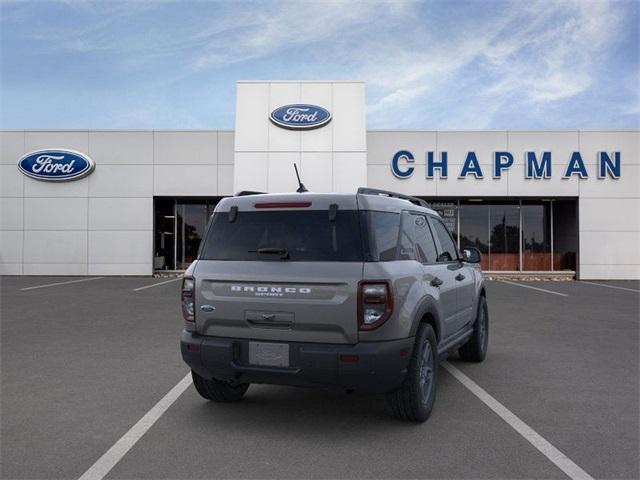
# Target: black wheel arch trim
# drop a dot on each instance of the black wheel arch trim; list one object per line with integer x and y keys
{"x": 427, "y": 307}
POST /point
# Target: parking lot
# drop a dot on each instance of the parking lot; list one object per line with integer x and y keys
{"x": 84, "y": 361}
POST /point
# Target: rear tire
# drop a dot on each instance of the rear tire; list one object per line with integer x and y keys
{"x": 217, "y": 390}
{"x": 475, "y": 350}
{"x": 414, "y": 399}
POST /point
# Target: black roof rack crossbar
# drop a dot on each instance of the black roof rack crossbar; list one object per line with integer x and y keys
{"x": 386, "y": 193}
{"x": 244, "y": 193}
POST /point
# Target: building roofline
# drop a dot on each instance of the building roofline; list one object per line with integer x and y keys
{"x": 518, "y": 130}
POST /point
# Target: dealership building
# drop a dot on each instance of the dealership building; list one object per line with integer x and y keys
{"x": 132, "y": 202}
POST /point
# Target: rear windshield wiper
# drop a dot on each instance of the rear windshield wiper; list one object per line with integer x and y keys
{"x": 283, "y": 252}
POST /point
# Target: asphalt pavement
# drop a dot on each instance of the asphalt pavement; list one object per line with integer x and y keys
{"x": 83, "y": 362}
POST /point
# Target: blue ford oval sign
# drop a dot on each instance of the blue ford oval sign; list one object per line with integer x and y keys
{"x": 56, "y": 165}
{"x": 300, "y": 116}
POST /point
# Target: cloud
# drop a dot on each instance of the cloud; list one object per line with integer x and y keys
{"x": 546, "y": 52}
{"x": 459, "y": 64}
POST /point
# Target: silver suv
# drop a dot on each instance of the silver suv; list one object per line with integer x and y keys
{"x": 363, "y": 292}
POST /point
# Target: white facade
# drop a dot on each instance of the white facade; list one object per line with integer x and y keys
{"x": 103, "y": 224}
{"x": 332, "y": 158}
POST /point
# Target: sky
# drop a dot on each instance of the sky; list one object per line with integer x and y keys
{"x": 427, "y": 65}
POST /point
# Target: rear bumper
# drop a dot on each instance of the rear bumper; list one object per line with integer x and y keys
{"x": 380, "y": 366}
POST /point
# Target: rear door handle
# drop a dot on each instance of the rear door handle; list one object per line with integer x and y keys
{"x": 460, "y": 277}
{"x": 436, "y": 282}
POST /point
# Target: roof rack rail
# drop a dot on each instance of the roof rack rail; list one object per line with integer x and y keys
{"x": 244, "y": 193}
{"x": 386, "y": 193}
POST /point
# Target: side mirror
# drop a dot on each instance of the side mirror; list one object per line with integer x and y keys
{"x": 471, "y": 255}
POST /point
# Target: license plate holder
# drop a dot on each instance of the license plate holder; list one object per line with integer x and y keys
{"x": 268, "y": 354}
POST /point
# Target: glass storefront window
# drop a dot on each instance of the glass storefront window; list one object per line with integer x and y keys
{"x": 536, "y": 236}
{"x": 191, "y": 219}
{"x": 165, "y": 217}
{"x": 504, "y": 224}
{"x": 549, "y": 237}
{"x": 565, "y": 234}
{"x": 179, "y": 227}
{"x": 474, "y": 229}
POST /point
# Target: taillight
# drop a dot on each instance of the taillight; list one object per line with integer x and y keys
{"x": 375, "y": 303}
{"x": 187, "y": 300}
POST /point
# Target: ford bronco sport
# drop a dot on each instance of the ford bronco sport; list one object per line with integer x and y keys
{"x": 365, "y": 292}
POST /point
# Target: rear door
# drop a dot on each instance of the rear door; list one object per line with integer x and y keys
{"x": 453, "y": 272}
{"x": 438, "y": 277}
{"x": 280, "y": 274}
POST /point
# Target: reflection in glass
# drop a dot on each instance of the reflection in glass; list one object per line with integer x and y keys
{"x": 565, "y": 234}
{"x": 179, "y": 228}
{"x": 449, "y": 213}
{"x": 191, "y": 220}
{"x": 474, "y": 229}
{"x": 504, "y": 253}
{"x": 163, "y": 258}
{"x": 536, "y": 236}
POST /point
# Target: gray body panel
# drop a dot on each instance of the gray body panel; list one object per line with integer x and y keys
{"x": 278, "y": 300}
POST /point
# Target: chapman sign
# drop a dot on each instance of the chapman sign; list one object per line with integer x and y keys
{"x": 56, "y": 165}
{"x": 537, "y": 165}
{"x": 300, "y": 116}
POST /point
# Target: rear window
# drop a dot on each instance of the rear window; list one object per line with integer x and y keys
{"x": 306, "y": 236}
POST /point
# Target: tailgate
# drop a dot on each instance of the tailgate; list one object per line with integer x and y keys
{"x": 280, "y": 301}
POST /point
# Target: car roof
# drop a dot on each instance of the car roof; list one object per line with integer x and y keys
{"x": 320, "y": 201}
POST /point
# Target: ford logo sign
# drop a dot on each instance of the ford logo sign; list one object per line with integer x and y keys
{"x": 56, "y": 165}
{"x": 300, "y": 116}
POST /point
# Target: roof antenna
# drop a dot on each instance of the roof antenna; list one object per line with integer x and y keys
{"x": 301, "y": 188}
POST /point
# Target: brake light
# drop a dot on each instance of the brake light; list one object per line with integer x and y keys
{"x": 187, "y": 300}
{"x": 282, "y": 204}
{"x": 375, "y": 303}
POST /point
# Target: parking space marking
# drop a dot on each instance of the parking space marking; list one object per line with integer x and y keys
{"x": 111, "y": 457}
{"x": 156, "y": 284}
{"x": 534, "y": 288}
{"x": 563, "y": 462}
{"x": 61, "y": 283}
{"x": 611, "y": 286}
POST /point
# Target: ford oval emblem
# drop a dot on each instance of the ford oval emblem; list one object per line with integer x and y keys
{"x": 56, "y": 164}
{"x": 300, "y": 116}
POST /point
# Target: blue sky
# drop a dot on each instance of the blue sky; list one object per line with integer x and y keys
{"x": 444, "y": 65}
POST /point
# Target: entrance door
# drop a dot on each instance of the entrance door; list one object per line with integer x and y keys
{"x": 180, "y": 225}
{"x": 191, "y": 220}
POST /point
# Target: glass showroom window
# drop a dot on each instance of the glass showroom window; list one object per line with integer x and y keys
{"x": 179, "y": 227}
{"x": 474, "y": 228}
{"x": 504, "y": 240}
{"x": 565, "y": 234}
{"x": 536, "y": 235}
{"x": 514, "y": 235}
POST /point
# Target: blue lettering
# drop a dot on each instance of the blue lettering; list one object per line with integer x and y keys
{"x": 471, "y": 165}
{"x": 538, "y": 170}
{"x": 499, "y": 165}
{"x": 395, "y": 167}
{"x": 608, "y": 166}
{"x": 576, "y": 165}
{"x": 441, "y": 165}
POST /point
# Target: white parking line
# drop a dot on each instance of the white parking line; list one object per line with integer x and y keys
{"x": 611, "y": 286}
{"x": 534, "y": 288}
{"x": 156, "y": 284}
{"x": 563, "y": 462}
{"x": 111, "y": 457}
{"x": 61, "y": 283}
